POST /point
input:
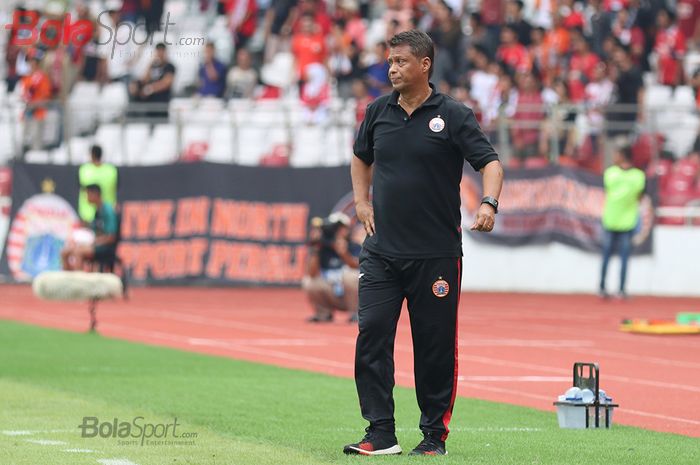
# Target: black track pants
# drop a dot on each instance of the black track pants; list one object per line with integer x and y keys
{"x": 431, "y": 287}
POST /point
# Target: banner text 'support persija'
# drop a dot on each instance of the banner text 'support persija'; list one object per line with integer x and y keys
{"x": 221, "y": 225}
{"x": 190, "y": 223}
{"x": 552, "y": 204}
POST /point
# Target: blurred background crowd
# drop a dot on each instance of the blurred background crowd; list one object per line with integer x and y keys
{"x": 551, "y": 81}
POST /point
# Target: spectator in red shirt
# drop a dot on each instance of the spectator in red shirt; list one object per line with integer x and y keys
{"x": 669, "y": 47}
{"x": 689, "y": 19}
{"x": 581, "y": 66}
{"x": 571, "y": 15}
{"x": 242, "y": 19}
{"x": 512, "y": 53}
{"x": 316, "y": 94}
{"x": 317, "y": 10}
{"x": 525, "y": 133}
{"x": 308, "y": 45}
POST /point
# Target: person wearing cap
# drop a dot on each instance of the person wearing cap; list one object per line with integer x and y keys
{"x": 411, "y": 148}
{"x": 332, "y": 268}
{"x": 36, "y": 89}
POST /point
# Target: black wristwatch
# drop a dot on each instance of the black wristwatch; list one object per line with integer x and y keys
{"x": 491, "y": 201}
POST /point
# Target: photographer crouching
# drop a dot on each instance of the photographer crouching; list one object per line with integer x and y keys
{"x": 332, "y": 268}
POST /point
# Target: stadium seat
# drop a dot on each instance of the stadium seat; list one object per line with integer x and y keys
{"x": 646, "y": 148}
{"x": 661, "y": 169}
{"x": 657, "y": 96}
{"x": 684, "y": 98}
{"x": 136, "y": 140}
{"x": 181, "y": 108}
{"x": 79, "y": 150}
{"x": 249, "y": 145}
{"x": 83, "y": 104}
{"x": 535, "y": 162}
{"x": 59, "y": 155}
{"x": 7, "y": 145}
{"x": 221, "y": 144}
{"x": 5, "y": 181}
{"x": 278, "y": 157}
{"x": 162, "y": 146}
{"x": 37, "y": 156}
{"x": 308, "y": 146}
{"x": 114, "y": 99}
{"x": 110, "y": 137}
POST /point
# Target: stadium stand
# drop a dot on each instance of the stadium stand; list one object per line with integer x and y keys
{"x": 293, "y": 119}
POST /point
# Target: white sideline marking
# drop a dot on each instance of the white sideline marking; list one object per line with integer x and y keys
{"x": 176, "y": 315}
{"x": 518, "y": 379}
{"x": 46, "y": 442}
{"x": 35, "y": 431}
{"x": 116, "y": 462}
{"x": 79, "y": 451}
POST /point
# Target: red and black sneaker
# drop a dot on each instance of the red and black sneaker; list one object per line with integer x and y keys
{"x": 375, "y": 443}
{"x": 430, "y": 445}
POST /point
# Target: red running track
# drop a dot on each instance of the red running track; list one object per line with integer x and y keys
{"x": 514, "y": 348}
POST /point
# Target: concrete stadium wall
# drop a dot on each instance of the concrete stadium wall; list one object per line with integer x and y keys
{"x": 673, "y": 269}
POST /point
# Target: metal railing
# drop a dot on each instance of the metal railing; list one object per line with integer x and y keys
{"x": 546, "y": 135}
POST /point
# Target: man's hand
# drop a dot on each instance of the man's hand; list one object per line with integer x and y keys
{"x": 365, "y": 213}
{"x": 485, "y": 218}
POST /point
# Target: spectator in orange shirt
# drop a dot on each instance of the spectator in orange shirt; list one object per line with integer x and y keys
{"x": 308, "y": 45}
{"x": 670, "y": 49}
{"x": 36, "y": 89}
{"x": 557, "y": 38}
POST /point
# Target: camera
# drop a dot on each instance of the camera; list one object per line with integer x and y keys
{"x": 328, "y": 228}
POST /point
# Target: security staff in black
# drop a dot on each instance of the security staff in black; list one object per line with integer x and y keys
{"x": 411, "y": 147}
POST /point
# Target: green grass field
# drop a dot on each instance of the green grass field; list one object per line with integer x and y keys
{"x": 249, "y": 414}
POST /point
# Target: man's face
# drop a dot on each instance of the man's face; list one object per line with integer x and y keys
{"x": 160, "y": 54}
{"x": 93, "y": 197}
{"x": 405, "y": 69}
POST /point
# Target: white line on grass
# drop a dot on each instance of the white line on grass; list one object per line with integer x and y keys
{"x": 116, "y": 462}
{"x": 35, "y": 431}
{"x": 46, "y": 442}
{"x": 79, "y": 451}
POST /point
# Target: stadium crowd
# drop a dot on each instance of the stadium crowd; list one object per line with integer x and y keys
{"x": 550, "y": 68}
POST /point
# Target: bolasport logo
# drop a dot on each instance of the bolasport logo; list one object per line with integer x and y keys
{"x": 32, "y": 31}
{"x": 137, "y": 432}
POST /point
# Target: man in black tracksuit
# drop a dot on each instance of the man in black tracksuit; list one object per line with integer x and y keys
{"x": 411, "y": 146}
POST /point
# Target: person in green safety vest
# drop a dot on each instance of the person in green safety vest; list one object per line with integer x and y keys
{"x": 624, "y": 186}
{"x": 104, "y": 175}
